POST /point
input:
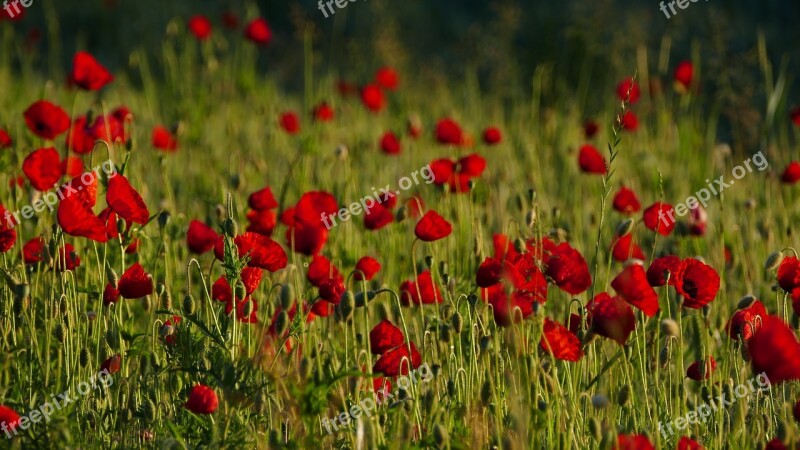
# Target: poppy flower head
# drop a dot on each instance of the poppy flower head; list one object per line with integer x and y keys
{"x": 629, "y": 121}
{"x": 5, "y": 139}
{"x": 697, "y": 282}
{"x": 366, "y": 268}
{"x": 657, "y": 273}
{"x": 390, "y": 143}
{"x": 8, "y": 417}
{"x": 591, "y": 161}
{"x": 590, "y": 129}
{"x": 372, "y": 97}
{"x": 775, "y": 350}
{"x": 89, "y": 74}
{"x": 611, "y": 317}
{"x": 163, "y": 139}
{"x": 398, "y": 361}
{"x": 684, "y": 72}
{"x": 135, "y": 282}
{"x": 432, "y": 227}
{"x": 568, "y": 270}
{"x": 200, "y": 27}
{"x": 46, "y": 120}
{"x": 424, "y": 291}
{"x": 387, "y": 78}
{"x": 258, "y": 32}
{"x": 76, "y": 218}
{"x": 660, "y": 217}
{"x": 290, "y": 122}
{"x": 560, "y": 342}
{"x": 789, "y": 273}
{"x": 43, "y": 168}
{"x": 125, "y": 201}
{"x": 631, "y": 284}
{"x": 686, "y": 443}
{"x": 323, "y": 112}
{"x": 701, "y": 370}
{"x": 791, "y": 174}
{"x": 628, "y": 87}
{"x": 384, "y": 337}
{"x": 626, "y": 202}
{"x": 200, "y": 237}
{"x": 746, "y": 321}
{"x": 633, "y": 442}
{"x": 489, "y": 273}
{"x": 492, "y": 136}
{"x": 202, "y": 400}
{"x": 449, "y": 132}
{"x": 112, "y": 364}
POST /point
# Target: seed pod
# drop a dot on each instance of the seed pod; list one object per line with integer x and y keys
{"x": 444, "y": 332}
{"x": 530, "y": 218}
{"x": 281, "y": 322}
{"x": 486, "y": 392}
{"x": 451, "y": 388}
{"x": 160, "y": 289}
{"x": 664, "y": 355}
{"x": 240, "y": 291}
{"x": 429, "y": 261}
{"x": 773, "y": 261}
{"x": 346, "y": 306}
{"x": 188, "y": 305}
{"x": 84, "y": 356}
{"x": 458, "y": 322}
{"x": 287, "y": 296}
{"x": 472, "y": 299}
{"x": 121, "y": 225}
{"x": 746, "y": 302}
{"x": 163, "y": 219}
{"x": 230, "y": 227}
{"x": 670, "y": 328}
{"x": 247, "y": 308}
{"x": 235, "y": 181}
{"x": 484, "y": 343}
{"x": 440, "y": 436}
{"x": 625, "y": 227}
{"x": 401, "y": 214}
{"x": 22, "y": 290}
{"x": 60, "y": 332}
{"x": 361, "y": 298}
{"x": 624, "y": 395}
{"x": 166, "y": 300}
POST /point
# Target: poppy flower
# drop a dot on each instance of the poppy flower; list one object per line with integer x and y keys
{"x": 387, "y": 78}
{"x": 629, "y": 121}
{"x": 685, "y": 443}
{"x": 258, "y": 31}
{"x": 590, "y": 129}
{"x": 489, "y": 273}
{"x": 591, "y": 161}
{"x": 76, "y": 218}
{"x": 611, "y": 317}
{"x": 390, "y": 143}
{"x": 72, "y": 167}
{"x": 656, "y": 274}
{"x": 163, "y": 139}
{"x": 633, "y": 442}
{"x": 396, "y": 362}
{"x": 775, "y": 350}
{"x": 323, "y": 112}
{"x": 366, "y": 268}
{"x": 135, "y": 282}
{"x": 378, "y": 217}
{"x": 5, "y": 139}
{"x": 626, "y": 202}
{"x": 320, "y": 270}
{"x": 415, "y": 206}
{"x": 789, "y": 273}
{"x": 659, "y": 217}
{"x": 568, "y": 270}
{"x": 307, "y": 239}
{"x": 791, "y": 174}
{"x": 372, "y": 97}
{"x": 112, "y": 364}
{"x": 202, "y": 400}
{"x": 697, "y": 282}
{"x": 684, "y": 72}
{"x": 624, "y": 249}
{"x": 629, "y": 85}
{"x": 263, "y": 252}
{"x": 290, "y": 122}
{"x": 631, "y": 284}
{"x": 456, "y": 174}
{"x": 46, "y": 120}
{"x": 698, "y": 221}
{"x": 492, "y": 136}
{"x": 449, "y": 132}
{"x": 701, "y": 370}
{"x": 110, "y": 295}
{"x": 560, "y": 342}
{"x": 432, "y": 227}
{"x": 250, "y": 278}
{"x": 424, "y": 291}
{"x": 306, "y": 233}
{"x": 172, "y": 322}
{"x": 746, "y": 321}
{"x": 200, "y": 237}
{"x": 125, "y": 201}
{"x": 261, "y": 222}
{"x": 794, "y": 114}
{"x": 200, "y": 27}
{"x": 89, "y": 74}
{"x": 8, "y": 417}
{"x": 79, "y": 138}
{"x": 43, "y": 168}
{"x": 262, "y": 199}
{"x": 510, "y": 309}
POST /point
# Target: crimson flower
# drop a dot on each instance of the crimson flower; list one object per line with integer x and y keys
{"x": 775, "y": 350}
{"x": 432, "y": 227}
{"x": 568, "y": 269}
{"x": 701, "y": 370}
{"x": 387, "y": 78}
{"x": 590, "y": 129}
{"x": 686, "y": 443}
{"x": 390, "y": 143}
{"x": 163, "y": 139}
{"x": 624, "y": 249}
{"x": 202, "y": 400}
{"x": 746, "y": 321}
{"x": 448, "y": 131}
{"x": 5, "y": 139}
{"x": 200, "y": 237}
{"x": 591, "y": 161}
{"x": 323, "y": 112}
{"x": 656, "y": 274}
{"x": 684, "y": 72}
{"x": 125, "y": 201}
{"x": 89, "y": 74}
{"x": 8, "y": 417}
{"x": 629, "y": 121}
{"x": 258, "y": 31}
{"x": 611, "y": 317}
{"x": 46, "y": 120}
{"x": 626, "y": 85}
{"x": 135, "y": 282}
{"x": 659, "y": 217}
{"x": 492, "y": 136}
{"x": 43, "y": 168}
{"x": 366, "y": 268}
{"x": 631, "y": 284}
{"x": 424, "y": 291}
{"x": 626, "y": 202}
{"x": 794, "y": 114}
{"x": 633, "y": 442}
{"x": 697, "y": 282}
{"x": 791, "y": 174}
{"x": 263, "y": 252}
{"x": 388, "y": 341}
{"x": 200, "y": 27}
{"x": 290, "y": 122}
{"x": 457, "y": 174}
{"x": 560, "y": 342}
{"x": 372, "y": 97}
{"x": 76, "y": 218}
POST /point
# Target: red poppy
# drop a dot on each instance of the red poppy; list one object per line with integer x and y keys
{"x": 76, "y": 218}
{"x": 624, "y": 249}
{"x": 568, "y": 269}
{"x": 72, "y": 167}
{"x": 373, "y": 98}
{"x": 366, "y": 268}
{"x": 396, "y": 362}
{"x": 659, "y": 217}
{"x": 629, "y": 121}
{"x": 378, "y": 217}
{"x": 323, "y": 112}
{"x": 200, "y": 237}
{"x": 110, "y": 295}
{"x": 789, "y": 273}
{"x": 590, "y": 129}
{"x": 263, "y": 252}
{"x": 631, "y": 284}
{"x": 261, "y": 200}
{"x": 701, "y": 370}
{"x": 320, "y": 270}
{"x": 163, "y": 139}
{"x": 8, "y": 417}
{"x": 685, "y": 443}
{"x": 448, "y": 131}
{"x": 135, "y": 282}
{"x": 390, "y": 143}
{"x": 489, "y": 273}
{"x": 290, "y": 122}
{"x": 656, "y": 274}
{"x": 387, "y": 78}
{"x": 746, "y": 321}
{"x": 46, "y": 120}
{"x": 112, "y": 364}
{"x": 791, "y": 174}
{"x": 684, "y": 72}
{"x": 173, "y": 322}
{"x": 775, "y": 350}
{"x": 125, "y": 201}
{"x": 697, "y": 282}
{"x": 306, "y": 232}
{"x": 591, "y": 161}
{"x": 80, "y": 138}
{"x": 200, "y": 27}
{"x": 43, "y": 168}
{"x": 794, "y": 114}
{"x": 202, "y": 400}
{"x": 611, "y": 317}
{"x": 626, "y": 202}
{"x": 560, "y": 342}
{"x": 698, "y": 221}
{"x": 633, "y": 442}
{"x": 627, "y": 85}
{"x": 492, "y": 136}
{"x": 89, "y": 74}
{"x": 432, "y": 227}
{"x": 528, "y": 289}
{"x": 5, "y": 139}
{"x": 250, "y": 278}
{"x": 424, "y": 291}
{"x": 457, "y": 174}
{"x": 261, "y": 222}
{"x": 258, "y": 31}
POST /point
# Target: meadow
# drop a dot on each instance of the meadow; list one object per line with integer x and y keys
{"x": 170, "y": 280}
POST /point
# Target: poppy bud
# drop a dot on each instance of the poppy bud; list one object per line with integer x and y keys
{"x": 113, "y": 279}
{"x": 451, "y": 388}
{"x": 83, "y": 358}
{"x": 440, "y": 436}
{"x": 458, "y": 322}
{"x": 670, "y": 328}
{"x": 60, "y": 332}
{"x": 240, "y": 291}
{"x": 519, "y": 245}
{"x": 541, "y": 405}
{"x": 530, "y": 218}
{"x": 188, "y": 305}
{"x": 344, "y": 310}
{"x": 472, "y": 299}
{"x": 247, "y": 308}
{"x": 486, "y": 392}
{"x": 625, "y": 227}
{"x": 235, "y": 181}
{"x": 230, "y": 227}
{"x": 773, "y": 261}
{"x": 166, "y": 330}
{"x": 281, "y": 322}
{"x": 485, "y": 341}
{"x": 624, "y": 395}
{"x": 401, "y": 214}
{"x": 362, "y": 298}
{"x": 595, "y": 429}
{"x": 287, "y": 296}
{"x": 600, "y": 401}
{"x": 664, "y": 355}
{"x": 121, "y": 225}
{"x": 160, "y": 288}
{"x": 341, "y": 152}
{"x": 746, "y": 302}
{"x": 429, "y": 261}
{"x": 22, "y": 290}
{"x": 163, "y": 219}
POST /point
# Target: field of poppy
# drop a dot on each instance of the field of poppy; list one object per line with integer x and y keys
{"x": 171, "y": 279}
